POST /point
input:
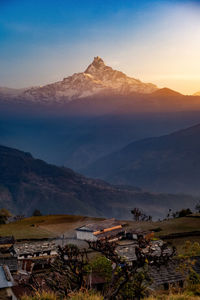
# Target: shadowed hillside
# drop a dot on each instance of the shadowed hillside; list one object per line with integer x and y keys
{"x": 167, "y": 163}
{"x": 27, "y": 183}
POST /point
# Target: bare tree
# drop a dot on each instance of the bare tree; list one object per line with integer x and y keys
{"x": 68, "y": 272}
{"x": 124, "y": 271}
{"x": 139, "y": 215}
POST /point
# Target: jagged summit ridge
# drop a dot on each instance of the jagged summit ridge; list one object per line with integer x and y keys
{"x": 97, "y": 63}
{"x": 115, "y": 80}
{"x": 97, "y": 78}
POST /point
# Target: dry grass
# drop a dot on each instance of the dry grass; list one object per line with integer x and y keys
{"x": 54, "y": 225}
{"x": 177, "y": 225}
{"x": 87, "y": 295}
{"x": 43, "y": 226}
{"x": 174, "y": 297}
{"x": 65, "y": 224}
{"x": 186, "y": 224}
{"x": 40, "y": 296}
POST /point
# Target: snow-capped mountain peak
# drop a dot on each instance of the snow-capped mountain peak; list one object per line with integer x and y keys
{"x": 97, "y": 78}
{"x": 97, "y": 65}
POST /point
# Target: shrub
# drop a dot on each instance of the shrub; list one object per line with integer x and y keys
{"x": 191, "y": 249}
{"x": 37, "y": 213}
{"x": 102, "y": 266}
{"x": 193, "y": 283}
{"x": 41, "y": 296}
{"x": 184, "y": 212}
{"x": 4, "y": 215}
{"x": 86, "y": 295}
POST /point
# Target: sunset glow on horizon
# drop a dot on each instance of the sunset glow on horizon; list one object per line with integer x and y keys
{"x": 155, "y": 41}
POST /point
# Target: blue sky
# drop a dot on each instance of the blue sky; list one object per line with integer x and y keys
{"x": 43, "y": 41}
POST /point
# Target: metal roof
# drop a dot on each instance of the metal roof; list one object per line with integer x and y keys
{"x": 11, "y": 262}
{"x": 6, "y": 279}
{"x": 99, "y": 226}
{"x": 128, "y": 250}
{"x": 165, "y": 274}
{"x": 110, "y": 234}
{"x": 32, "y": 248}
{"x": 7, "y": 240}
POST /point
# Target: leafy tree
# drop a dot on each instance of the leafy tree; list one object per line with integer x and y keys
{"x": 4, "y": 215}
{"x": 37, "y": 213}
{"x": 102, "y": 266}
{"x": 197, "y": 207}
{"x": 182, "y": 213}
{"x": 69, "y": 272}
{"x": 136, "y": 288}
{"x": 129, "y": 277}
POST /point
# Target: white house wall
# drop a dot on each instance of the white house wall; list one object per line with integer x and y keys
{"x": 85, "y": 235}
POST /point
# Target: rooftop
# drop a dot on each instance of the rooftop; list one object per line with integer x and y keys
{"x": 128, "y": 250}
{"x": 6, "y": 279}
{"x": 100, "y": 226}
{"x": 7, "y": 240}
{"x": 32, "y": 248}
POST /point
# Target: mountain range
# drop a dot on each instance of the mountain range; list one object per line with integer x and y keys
{"x": 100, "y": 82}
{"x": 27, "y": 183}
{"x": 96, "y": 79}
{"x": 169, "y": 163}
{"x": 99, "y": 112}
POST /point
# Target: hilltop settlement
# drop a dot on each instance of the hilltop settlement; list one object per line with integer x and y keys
{"x": 26, "y": 266}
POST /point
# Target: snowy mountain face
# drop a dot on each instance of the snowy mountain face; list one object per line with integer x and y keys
{"x": 97, "y": 78}
{"x": 197, "y": 93}
{"x": 116, "y": 80}
{"x": 9, "y": 92}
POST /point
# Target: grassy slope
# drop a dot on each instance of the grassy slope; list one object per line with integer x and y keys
{"x": 43, "y": 227}
{"x": 54, "y": 225}
{"x": 186, "y": 224}
{"x": 178, "y": 225}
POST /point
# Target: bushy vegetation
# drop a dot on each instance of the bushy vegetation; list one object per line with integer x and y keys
{"x": 41, "y": 296}
{"x": 37, "y": 213}
{"x": 87, "y": 295}
{"x": 96, "y": 296}
{"x": 4, "y": 215}
{"x": 81, "y": 295}
{"x": 102, "y": 266}
{"x": 179, "y": 214}
{"x": 72, "y": 271}
{"x": 72, "y": 278}
{"x": 191, "y": 249}
{"x": 183, "y": 213}
{"x": 179, "y": 296}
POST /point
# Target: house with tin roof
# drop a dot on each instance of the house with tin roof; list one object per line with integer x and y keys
{"x": 6, "y": 284}
{"x": 7, "y": 253}
{"x": 107, "y": 229}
